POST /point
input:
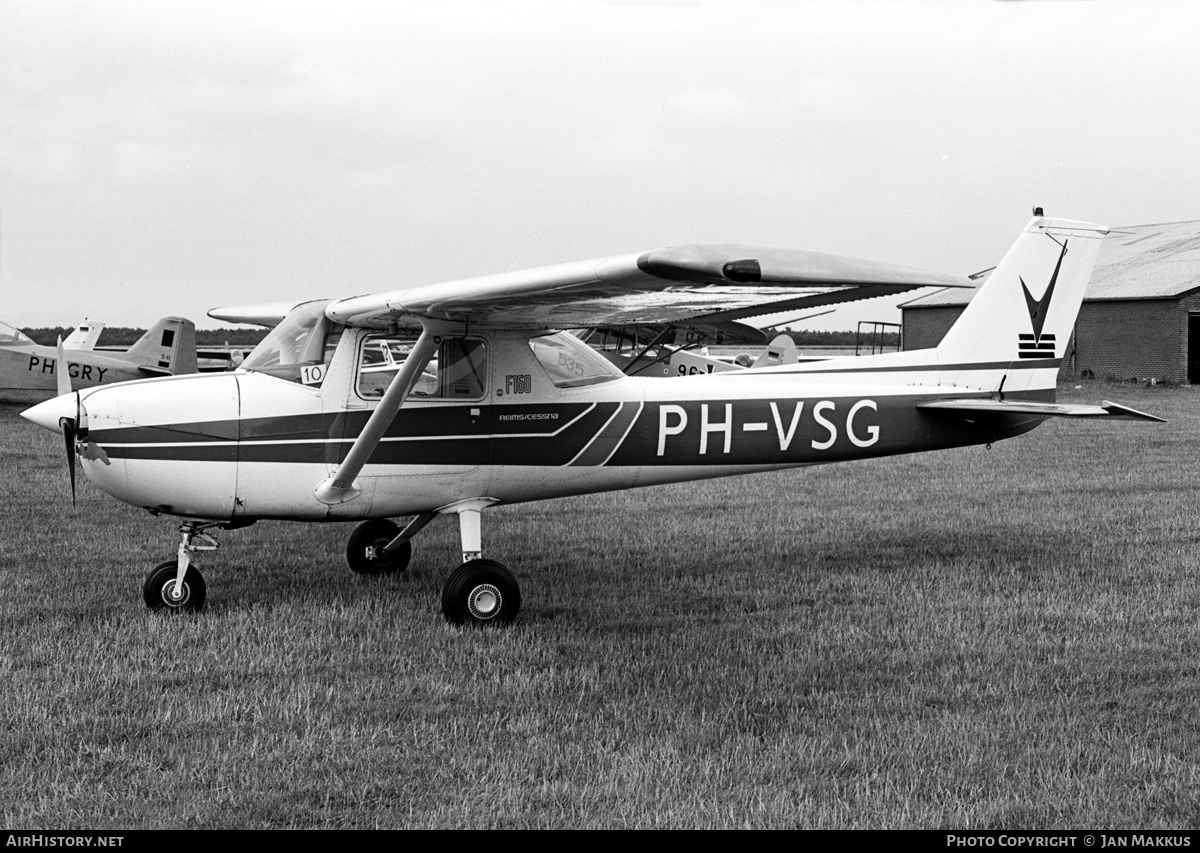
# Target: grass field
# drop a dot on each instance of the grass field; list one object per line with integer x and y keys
{"x": 1002, "y": 638}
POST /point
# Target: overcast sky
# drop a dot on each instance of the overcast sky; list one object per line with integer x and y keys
{"x": 167, "y": 158}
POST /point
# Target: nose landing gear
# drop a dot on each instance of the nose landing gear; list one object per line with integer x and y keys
{"x": 162, "y": 590}
{"x": 177, "y": 585}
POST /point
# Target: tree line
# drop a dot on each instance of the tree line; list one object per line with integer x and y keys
{"x": 125, "y": 336}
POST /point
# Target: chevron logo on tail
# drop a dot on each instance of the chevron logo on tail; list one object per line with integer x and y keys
{"x": 1038, "y": 308}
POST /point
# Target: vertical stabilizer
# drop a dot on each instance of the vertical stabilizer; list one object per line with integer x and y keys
{"x": 84, "y": 337}
{"x": 782, "y": 350}
{"x": 169, "y": 347}
{"x": 1017, "y": 327}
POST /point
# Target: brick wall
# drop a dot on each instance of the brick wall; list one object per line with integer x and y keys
{"x": 1134, "y": 339}
{"x": 925, "y": 327}
{"x": 1128, "y": 339}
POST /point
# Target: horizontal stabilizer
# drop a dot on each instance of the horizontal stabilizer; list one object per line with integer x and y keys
{"x": 1049, "y": 410}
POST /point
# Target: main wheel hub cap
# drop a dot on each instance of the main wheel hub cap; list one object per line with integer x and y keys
{"x": 484, "y": 602}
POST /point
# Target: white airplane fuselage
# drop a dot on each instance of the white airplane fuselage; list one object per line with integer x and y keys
{"x": 28, "y": 371}
{"x": 253, "y": 446}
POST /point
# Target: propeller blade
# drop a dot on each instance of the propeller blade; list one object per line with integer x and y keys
{"x": 68, "y": 431}
{"x": 81, "y": 418}
{"x": 62, "y": 373}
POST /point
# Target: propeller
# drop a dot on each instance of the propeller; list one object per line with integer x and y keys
{"x": 73, "y": 429}
{"x": 57, "y": 413}
{"x": 75, "y": 438}
{"x": 62, "y": 377}
{"x": 68, "y": 431}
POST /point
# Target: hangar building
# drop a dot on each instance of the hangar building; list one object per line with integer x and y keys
{"x": 1140, "y": 317}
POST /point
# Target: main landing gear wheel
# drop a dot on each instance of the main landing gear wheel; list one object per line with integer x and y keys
{"x": 364, "y": 550}
{"x": 160, "y": 593}
{"x": 481, "y": 592}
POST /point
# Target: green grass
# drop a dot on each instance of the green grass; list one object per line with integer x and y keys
{"x": 1002, "y": 638}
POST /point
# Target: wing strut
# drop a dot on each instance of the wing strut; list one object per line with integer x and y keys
{"x": 340, "y": 488}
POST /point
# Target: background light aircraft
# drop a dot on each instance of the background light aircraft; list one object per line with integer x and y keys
{"x": 29, "y": 371}
{"x": 516, "y": 411}
{"x": 648, "y": 350}
{"x": 86, "y": 336}
{"x": 689, "y": 361}
{"x": 781, "y": 350}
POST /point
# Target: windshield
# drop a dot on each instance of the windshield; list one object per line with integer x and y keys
{"x": 570, "y": 363}
{"x": 305, "y": 339}
{"x": 9, "y": 335}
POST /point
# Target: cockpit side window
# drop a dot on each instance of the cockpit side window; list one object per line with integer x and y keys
{"x": 457, "y": 372}
{"x": 462, "y": 364}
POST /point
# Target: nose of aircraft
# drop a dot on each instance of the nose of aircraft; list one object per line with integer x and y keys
{"x": 48, "y": 414}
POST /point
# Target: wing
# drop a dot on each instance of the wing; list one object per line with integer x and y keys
{"x": 1049, "y": 410}
{"x": 670, "y": 286}
{"x": 269, "y": 314}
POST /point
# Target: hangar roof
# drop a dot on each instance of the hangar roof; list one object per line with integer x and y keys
{"x": 1136, "y": 262}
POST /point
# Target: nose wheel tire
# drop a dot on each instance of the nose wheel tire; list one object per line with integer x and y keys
{"x": 160, "y": 593}
{"x": 374, "y": 535}
{"x": 481, "y": 592}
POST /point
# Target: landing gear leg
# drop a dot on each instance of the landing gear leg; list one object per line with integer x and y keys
{"x": 479, "y": 592}
{"x": 176, "y": 585}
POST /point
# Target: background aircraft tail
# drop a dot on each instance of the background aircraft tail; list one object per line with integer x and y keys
{"x": 1017, "y": 327}
{"x": 169, "y": 347}
{"x": 84, "y": 337}
{"x": 782, "y": 350}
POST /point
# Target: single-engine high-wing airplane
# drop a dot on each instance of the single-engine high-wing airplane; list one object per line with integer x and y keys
{"x": 309, "y": 428}
{"x": 29, "y": 371}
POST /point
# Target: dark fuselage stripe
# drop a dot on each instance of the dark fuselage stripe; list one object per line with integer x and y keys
{"x": 688, "y": 433}
{"x": 609, "y": 438}
{"x": 930, "y": 368}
